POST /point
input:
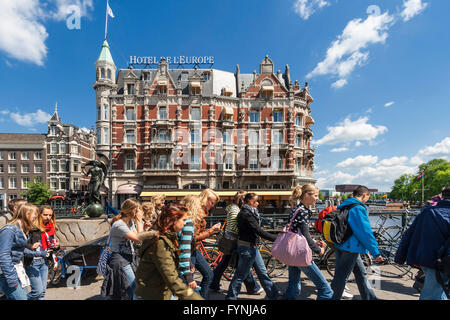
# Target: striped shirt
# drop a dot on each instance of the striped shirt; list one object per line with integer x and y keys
{"x": 232, "y": 211}
{"x": 186, "y": 237}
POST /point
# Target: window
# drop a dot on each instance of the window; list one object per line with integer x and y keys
{"x": 162, "y": 136}
{"x": 206, "y": 76}
{"x": 76, "y": 184}
{"x": 12, "y": 183}
{"x": 196, "y": 114}
{"x": 38, "y": 156}
{"x": 63, "y": 165}
{"x": 54, "y": 147}
{"x": 130, "y": 88}
{"x": 12, "y": 196}
{"x": 195, "y": 136}
{"x": 25, "y": 168}
{"x": 1, "y": 155}
{"x": 253, "y": 163}
{"x": 298, "y": 166}
{"x": 229, "y": 163}
{"x": 105, "y": 136}
{"x": 254, "y": 116}
{"x": 39, "y": 179}
{"x": 12, "y": 156}
{"x": 25, "y": 182}
{"x": 99, "y": 113}
{"x": 277, "y": 116}
{"x": 277, "y": 137}
{"x": 12, "y": 168}
{"x": 298, "y": 141}
{"x": 55, "y": 166}
{"x": 253, "y": 138}
{"x": 25, "y": 156}
{"x": 277, "y": 162}
{"x": 298, "y": 120}
{"x": 130, "y": 164}
{"x": 195, "y": 162}
{"x": 53, "y": 130}
{"x": 102, "y": 73}
{"x": 1, "y": 168}
{"x": 226, "y": 138}
{"x": 131, "y": 115}
{"x": 62, "y": 184}
{"x": 108, "y": 72}
{"x": 63, "y": 148}
{"x": 130, "y": 137}
{"x": 38, "y": 168}
{"x": 76, "y": 164}
{"x": 54, "y": 183}
{"x": 162, "y": 163}
{"x": 2, "y": 183}
{"x": 162, "y": 113}
{"x": 74, "y": 149}
{"x": 105, "y": 112}
{"x": 99, "y": 136}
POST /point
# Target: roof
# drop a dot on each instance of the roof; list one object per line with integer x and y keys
{"x": 105, "y": 54}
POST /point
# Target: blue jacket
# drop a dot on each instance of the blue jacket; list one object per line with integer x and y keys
{"x": 362, "y": 239}
{"x": 426, "y": 235}
{"x": 12, "y": 245}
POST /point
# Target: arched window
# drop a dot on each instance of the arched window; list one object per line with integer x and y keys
{"x": 102, "y": 73}
{"x": 108, "y": 72}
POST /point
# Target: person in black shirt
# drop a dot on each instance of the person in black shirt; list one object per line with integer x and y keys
{"x": 250, "y": 231}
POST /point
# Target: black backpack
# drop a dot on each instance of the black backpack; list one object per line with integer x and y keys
{"x": 335, "y": 226}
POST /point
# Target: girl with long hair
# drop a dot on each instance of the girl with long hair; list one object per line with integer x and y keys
{"x": 13, "y": 245}
{"x": 125, "y": 227}
{"x": 307, "y": 196}
{"x": 37, "y": 266}
{"x": 157, "y": 275}
{"x": 208, "y": 199}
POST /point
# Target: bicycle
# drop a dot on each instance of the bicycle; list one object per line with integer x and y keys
{"x": 388, "y": 239}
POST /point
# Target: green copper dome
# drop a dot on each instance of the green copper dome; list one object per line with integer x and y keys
{"x": 105, "y": 54}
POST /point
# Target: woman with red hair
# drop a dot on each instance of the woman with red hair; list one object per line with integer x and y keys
{"x": 157, "y": 275}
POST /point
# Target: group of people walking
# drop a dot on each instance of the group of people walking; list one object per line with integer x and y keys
{"x": 156, "y": 248}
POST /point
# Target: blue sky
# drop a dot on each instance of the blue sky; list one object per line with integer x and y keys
{"x": 379, "y": 71}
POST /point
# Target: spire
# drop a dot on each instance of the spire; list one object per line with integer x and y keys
{"x": 55, "y": 117}
{"x": 105, "y": 54}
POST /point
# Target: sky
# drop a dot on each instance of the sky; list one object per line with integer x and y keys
{"x": 379, "y": 71}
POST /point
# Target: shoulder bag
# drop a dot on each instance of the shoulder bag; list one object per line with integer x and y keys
{"x": 292, "y": 248}
{"x": 105, "y": 255}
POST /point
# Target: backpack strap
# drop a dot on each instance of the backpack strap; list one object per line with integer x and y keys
{"x": 293, "y": 217}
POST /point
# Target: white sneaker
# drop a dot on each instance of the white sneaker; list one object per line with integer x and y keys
{"x": 347, "y": 295}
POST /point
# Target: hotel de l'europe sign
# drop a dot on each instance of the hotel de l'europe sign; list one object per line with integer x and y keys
{"x": 145, "y": 60}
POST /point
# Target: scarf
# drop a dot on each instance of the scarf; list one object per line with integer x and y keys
{"x": 252, "y": 210}
{"x": 49, "y": 231}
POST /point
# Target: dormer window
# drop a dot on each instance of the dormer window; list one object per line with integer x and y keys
{"x": 206, "y": 76}
{"x": 195, "y": 87}
{"x": 162, "y": 86}
{"x": 53, "y": 130}
{"x": 227, "y": 92}
{"x": 130, "y": 88}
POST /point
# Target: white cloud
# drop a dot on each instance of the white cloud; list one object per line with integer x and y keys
{"x": 333, "y": 179}
{"x": 343, "y": 149}
{"x": 439, "y": 150}
{"x": 30, "y": 119}
{"x": 412, "y": 8}
{"x": 349, "y": 131}
{"x": 22, "y": 31}
{"x": 389, "y": 104}
{"x": 348, "y": 51}
{"x": 305, "y": 8}
{"x": 359, "y": 161}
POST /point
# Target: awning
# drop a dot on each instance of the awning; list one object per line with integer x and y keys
{"x": 267, "y": 88}
{"x": 57, "y": 198}
{"x": 228, "y": 111}
{"x": 195, "y": 84}
{"x": 309, "y": 120}
{"x": 129, "y": 189}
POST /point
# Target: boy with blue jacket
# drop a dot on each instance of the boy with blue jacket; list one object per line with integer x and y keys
{"x": 362, "y": 241}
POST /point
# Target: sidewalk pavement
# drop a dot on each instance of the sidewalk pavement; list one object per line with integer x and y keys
{"x": 385, "y": 288}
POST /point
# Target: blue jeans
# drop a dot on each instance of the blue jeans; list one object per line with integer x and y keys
{"x": 432, "y": 289}
{"x": 202, "y": 266}
{"x": 313, "y": 273}
{"x": 18, "y": 293}
{"x": 249, "y": 257}
{"x": 38, "y": 274}
{"x": 346, "y": 262}
{"x": 131, "y": 279}
{"x": 250, "y": 282}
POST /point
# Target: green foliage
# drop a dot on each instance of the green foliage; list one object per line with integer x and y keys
{"x": 321, "y": 197}
{"x": 436, "y": 176}
{"x": 38, "y": 193}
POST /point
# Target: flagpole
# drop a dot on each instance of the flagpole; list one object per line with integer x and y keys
{"x": 106, "y": 19}
{"x": 423, "y": 179}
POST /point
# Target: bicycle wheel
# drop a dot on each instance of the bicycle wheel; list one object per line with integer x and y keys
{"x": 269, "y": 261}
{"x": 392, "y": 234}
{"x": 388, "y": 268}
{"x": 212, "y": 257}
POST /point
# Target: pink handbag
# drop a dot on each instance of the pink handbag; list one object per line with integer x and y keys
{"x": 292, "y": 248}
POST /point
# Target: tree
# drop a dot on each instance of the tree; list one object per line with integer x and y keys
{"x": 38, "y": 193}
{"x": 321, "y": 196}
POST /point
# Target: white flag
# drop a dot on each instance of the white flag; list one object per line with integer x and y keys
{"x": 108, "y": 9}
